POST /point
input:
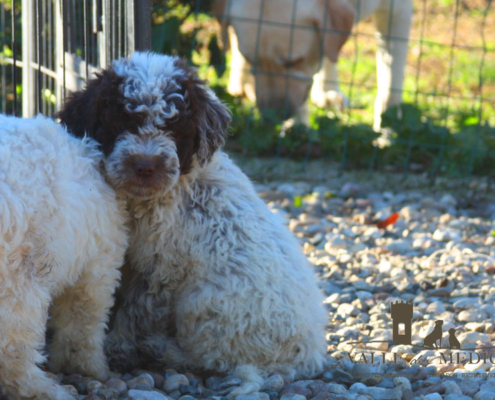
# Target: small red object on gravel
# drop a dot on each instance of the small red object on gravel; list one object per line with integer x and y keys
{"x": 389, "y": 221}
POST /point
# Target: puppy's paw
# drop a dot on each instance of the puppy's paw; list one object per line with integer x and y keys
{"x": 122, "y": 355}
{"x": 102, "y": 374}
{"x": 56, "y": 392}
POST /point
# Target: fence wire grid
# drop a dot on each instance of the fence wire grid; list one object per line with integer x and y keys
{"x": 445, "y": 125}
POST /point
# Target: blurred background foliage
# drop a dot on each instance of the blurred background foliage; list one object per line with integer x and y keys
{"x": 447, "y": 122}
{"x": 448, "y": 115}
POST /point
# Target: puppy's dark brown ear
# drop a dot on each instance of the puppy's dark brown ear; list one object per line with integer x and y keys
{"x": 211, "y": 117}
{"x": 213, "y": 123}
{"x": 99, "y": 111}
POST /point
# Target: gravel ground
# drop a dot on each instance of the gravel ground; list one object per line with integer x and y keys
{"x": 439, "y": 254}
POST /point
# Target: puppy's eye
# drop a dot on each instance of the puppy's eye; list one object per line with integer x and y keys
{"x": 293, "y": 63}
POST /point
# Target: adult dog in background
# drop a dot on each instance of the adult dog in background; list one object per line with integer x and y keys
{"x": 289, "y": 48}
{"x": 215, "y": 282}
{"x": 62, "y": 238}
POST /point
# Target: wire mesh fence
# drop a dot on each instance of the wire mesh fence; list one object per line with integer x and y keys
{"x": 50, "y": 48}
{"x": 271, "y": 60}
{"x": 255, "y": 53}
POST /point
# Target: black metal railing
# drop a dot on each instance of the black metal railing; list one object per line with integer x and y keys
{"x": 51, "y": 47}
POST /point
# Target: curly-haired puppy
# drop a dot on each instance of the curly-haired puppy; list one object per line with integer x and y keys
{"x": 62, "y": 239}
{"x": 215, "y": 280}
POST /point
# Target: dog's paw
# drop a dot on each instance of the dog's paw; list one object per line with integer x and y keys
{"x": 57, "y": 392}
{"x": 332, "y": 99}
{"x": 121, "y": 354}
{"x": 103, "y": 374}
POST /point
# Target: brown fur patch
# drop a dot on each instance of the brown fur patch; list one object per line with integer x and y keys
{"x": 99, "y": 111}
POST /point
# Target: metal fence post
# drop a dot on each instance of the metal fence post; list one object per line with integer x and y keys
{"x": 142, "y": 18}
{"x": 59, "y": 53}
{"x": 28, "y": 52}
{"x": 138, "y": 28}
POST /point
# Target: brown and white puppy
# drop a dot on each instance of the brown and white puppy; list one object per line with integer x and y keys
{"x": 214, "y": 280}
{"x": 298, "y": 40}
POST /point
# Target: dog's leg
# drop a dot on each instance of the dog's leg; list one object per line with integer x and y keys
{"x": 252, "y": 380}
{"x": 23, "y": 317}
{"x": 392, "y": 54}
{"x": 79, "y": 316}
{"x": 240, "y": 81}
{"x": 140, "y": 328}
{"x": 325, "y": 91}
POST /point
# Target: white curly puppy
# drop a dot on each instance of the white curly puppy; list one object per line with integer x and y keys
{"x": 215, "y": 281}
{"x": 62, "y": 238}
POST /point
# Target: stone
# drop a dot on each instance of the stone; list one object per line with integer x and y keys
{"x": 400, "y": 246}
{"x": 403, "y": 383}
{"x": 451, "y": 387}
{"x": 484, "y": 395}
{"x": 292, "y": 389}
{"x": 147, "y": 376}
{"x": 469, "y": 387}
{"x": 448, "y": 200}
{"x": 472, "y": 316}
{"x": 383, "y": 394}
{"x": 473, "y": 338}
{"x": 252, "y": 396}
{"x": 358, "y": 387}
{"x": 433, "y": 396}
{"x": 139, "y": 383}
{"x": 145, "y": 395}
{"x": 437, "y": 308}
{"x": 71, "y": 389}
{"x": 159, "y": 380}
{"x": 213, "y": 383}
{"x": 107, "y": 394}
{"x": 189, "y": 389}
{"x": 94, "y": 385}
{"x": 272, "y": 394}
{"x": 456, "y": 396}
{"x": 336, "y": 388}
{"x": 275, "y": 382}
{"x": 229, "y": 382}
{"x": 175, "y": 395}
{"x": 116, "y": 384}
{"x": 349, "y": 189}
{"x": 347, "y": 310}
{"x": 75, "y": 380}
{"x": 173, "y": 382}
{"x": 90, "y": 397}
{"x": 446, "y": 235}
{"x": 317, "y": 387}
{"x": 292, "y": 396}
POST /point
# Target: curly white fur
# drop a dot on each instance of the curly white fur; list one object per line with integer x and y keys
{"x": 62, "y": 238}
{"x": 210, "y": 264}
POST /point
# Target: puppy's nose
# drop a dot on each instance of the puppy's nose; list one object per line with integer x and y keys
{"x": 144, "y": 168}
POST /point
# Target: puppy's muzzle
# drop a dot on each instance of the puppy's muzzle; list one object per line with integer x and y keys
{"x": 144, "y": 169}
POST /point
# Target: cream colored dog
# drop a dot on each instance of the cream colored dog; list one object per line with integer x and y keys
{"x": 288, "y": 49}
{"x": 62, "y": 240}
